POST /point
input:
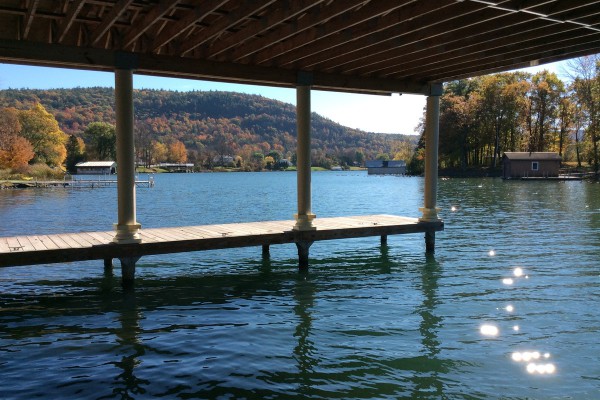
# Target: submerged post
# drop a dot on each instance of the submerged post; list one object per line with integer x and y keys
{"x": 429, "y": 210}
{"x": 127, "y": 227}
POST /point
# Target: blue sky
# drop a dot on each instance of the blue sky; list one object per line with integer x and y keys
{"x": 371, "y": 113}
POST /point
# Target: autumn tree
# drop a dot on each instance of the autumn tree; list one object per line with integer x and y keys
{"x": 102, "y": 140}
{"x": 177, "y": 152}
{"x": 41, "y": 129}
{"x": 585, "y": 73}
{"x": 15, "y": 151}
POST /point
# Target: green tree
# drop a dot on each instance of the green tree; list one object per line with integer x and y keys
{"x": 75, "y": 152}
{"x": 102, "y": 140}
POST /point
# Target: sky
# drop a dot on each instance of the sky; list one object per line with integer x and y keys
{"x": 370, "y": 113}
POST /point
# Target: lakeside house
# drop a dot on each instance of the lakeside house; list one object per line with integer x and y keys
{"x": 530, "y": 164}
{"x": 381, "y": 167}
{"x": 96, "y": 168}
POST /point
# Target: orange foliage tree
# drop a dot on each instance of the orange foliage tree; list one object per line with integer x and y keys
{"x": 15, "y": 151}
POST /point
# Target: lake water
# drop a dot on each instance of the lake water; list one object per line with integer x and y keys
{"x": 507, "y": 307}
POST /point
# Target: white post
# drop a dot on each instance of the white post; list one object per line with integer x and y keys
{"x": 305, "y": 216}
{"x": 127, "y": 227}
{"x": 429, "y": 210}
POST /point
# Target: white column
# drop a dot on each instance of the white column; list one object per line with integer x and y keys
{"x": 305, "y": 216}
{"x": 127, "y": 227}
{"x": 432, "y": 132}
{"x": 429, "y": 209}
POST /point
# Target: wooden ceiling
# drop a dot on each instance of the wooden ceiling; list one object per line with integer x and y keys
{"x": 372, "y": 46}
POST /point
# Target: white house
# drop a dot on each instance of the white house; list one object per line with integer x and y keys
{"x": 96, "y": 168}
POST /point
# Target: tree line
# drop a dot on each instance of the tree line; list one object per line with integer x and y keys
{"x": 195, "y": 127}
{"x": 483, "y": 117}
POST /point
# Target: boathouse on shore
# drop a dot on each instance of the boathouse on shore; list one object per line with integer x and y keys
{"x": 376, "y": 47}
{"x": 384, "y": 167}
{"x": 96, "y": 168}
{"x": 530, "y": 165}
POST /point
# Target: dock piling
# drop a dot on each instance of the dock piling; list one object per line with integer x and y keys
{"x": 128, "y": 271}
{"x": 303, "y": 247}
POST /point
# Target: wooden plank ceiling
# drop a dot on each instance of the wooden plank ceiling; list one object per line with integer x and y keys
{"x": 372, "y": 46}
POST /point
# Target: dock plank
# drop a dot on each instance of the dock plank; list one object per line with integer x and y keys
{"x": 44, "y": 249}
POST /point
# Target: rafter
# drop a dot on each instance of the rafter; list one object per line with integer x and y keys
{"x": 313, "y": 17}
{"x": 239, "y": 14}
{"x": 31, "y": 9}
{"x": 319, "y": 33}
{"x": 109, "y": 19}
{"x": 282, "y": 13}
{"x": 417, "y": 14}
{"x": 510, "y": 55}
{"x": 67, "y": 22}
{"x": 486, "y": 34}
{"x": 190, "y": 19}
{"x": 152, "y": 16}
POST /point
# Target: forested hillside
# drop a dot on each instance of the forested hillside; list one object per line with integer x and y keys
{"x": 201, "y": 127}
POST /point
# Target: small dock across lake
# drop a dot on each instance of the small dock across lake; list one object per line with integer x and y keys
{"x": 67, "y": 247}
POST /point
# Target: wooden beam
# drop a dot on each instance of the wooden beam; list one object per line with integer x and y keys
{"x": 224, "y": 23}
{"x": 499, "y": 62}
{"x": 109, "y": 19}
{"x": 315, "y": 16}
{"x": 452, "y": 57}
{"x": 42, "y": 54}
{"x": 273, "y": 18}
{"x": 140, "y": 27}
{"x": 29, "y": 18}
{"x": 334, "y": 25}
{"x": 67, "y": 22}
{"x": 417, "y": 32}
{"x": 489, "y": 31}
{"x": 416, "y": 15}
{"x": 190, "y": 19}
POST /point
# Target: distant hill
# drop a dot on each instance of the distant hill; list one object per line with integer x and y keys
{"x": 210, "y": 123}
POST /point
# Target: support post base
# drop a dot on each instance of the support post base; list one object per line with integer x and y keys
{"x": 303, "y": 247}
{"x": 304, "y": 222}
{"x": 430, "y": 242}
{"x": 128, "y": 271}
{"x": 129, "y": 233}
{"x": 108, "y": 266}
{"x": 429, "y": 214}
{"x": 266, "y": 252}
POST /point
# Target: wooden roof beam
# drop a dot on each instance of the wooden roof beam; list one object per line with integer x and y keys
{"x": 369, "y": 11}
{"x": 29, "y": 18}
{"x": 453, "y": 34}
{"x": 226, "y": 22}
{"x": 410, "y": 38}
{"x": 521, "y": 40}
{"x": 142, "y": 25}
{"x": 67, "y": 22}
{"x": 284, "y": 12}
{"x": 313, "y": 17}
{"x": 579, "y": 51}
{"x": 190, "y": 19}
{"x": 402, "y": 32}
{"x": 37, "y": 53}
{"x": 349, "y": 37}
{"x": 535, "y": 51}
{"x": 109, "y": 19}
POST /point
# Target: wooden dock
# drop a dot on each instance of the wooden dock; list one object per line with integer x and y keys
{"x": 68, "y": 247}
